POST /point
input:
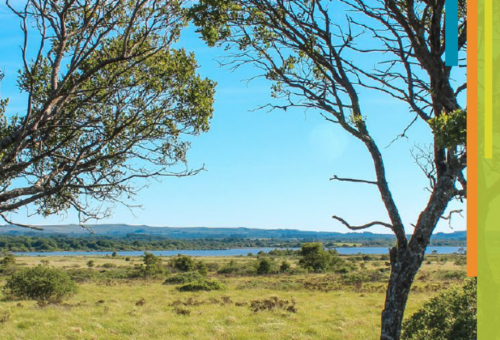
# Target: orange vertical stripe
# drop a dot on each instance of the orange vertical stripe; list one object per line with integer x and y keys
{"x": 472, "y": 136}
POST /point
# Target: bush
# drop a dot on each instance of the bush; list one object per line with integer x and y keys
{"x": 203, "y": 284}
{"x": 230, "y": 268}
{"x": 285, "y": 267}
{"x": 152, "y": 266}
{"x": 183, "y": 263}
{"x": 8, "y": 260}
{"x": 316, "y": 258}
{"x": 235, "y": 268}
{"x": 108, "y": 265}
{"x": 202, "y": 268}
{"x": 40, "y": 283}
{"x": 212, "y": 266}
{"x": 450, "y": 315}
{"x": 183, "y": 278}
{"x": 264, "y": 266}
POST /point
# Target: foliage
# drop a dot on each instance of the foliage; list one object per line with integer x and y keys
{"x": 316, "y": 258}
{"x": 183, "y": 263}
{"x": 106, "y": 88}
{"x": 201, "y": 268}
{"x": 183, "y": 278}
{"x": 450, "y": 129}
{"x": 8, "y": 260}
{"x": 264, "y": 266}
{"x": 40, "y": 283}
{"x": 285, "y": 266}
{"x": 109, "y": 265}
{"x": 235, "y": 268}
{"x": 140, "y": 242}
{"x": 450, "y": 315}
{"x": 152, "y": 266}
{"x": 202, "y": 285}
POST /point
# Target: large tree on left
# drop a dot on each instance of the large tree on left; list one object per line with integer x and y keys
{"x": 108, "y": 100}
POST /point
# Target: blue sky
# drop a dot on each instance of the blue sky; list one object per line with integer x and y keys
{"x": 264, "y": 170}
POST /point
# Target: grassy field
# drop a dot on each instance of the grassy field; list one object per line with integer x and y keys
{"x": 325, "y": 306}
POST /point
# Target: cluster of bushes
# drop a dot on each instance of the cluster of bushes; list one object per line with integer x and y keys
{"x": 192, "y": 275}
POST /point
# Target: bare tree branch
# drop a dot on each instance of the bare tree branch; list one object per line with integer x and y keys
{"x": 352, "y": 180}
{"x": 364, "y": 226}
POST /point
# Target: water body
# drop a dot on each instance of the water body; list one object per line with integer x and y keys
{"x": 229, "y": 252}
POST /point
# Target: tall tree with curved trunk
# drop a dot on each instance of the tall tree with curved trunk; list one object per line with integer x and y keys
{"x": 318, "y": 62}
{"x": 108, "y": 101}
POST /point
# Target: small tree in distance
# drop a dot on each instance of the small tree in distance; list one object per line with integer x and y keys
{"x": 264, "y": 266}
{"x": 152, "y": 266}
{"x": 315, "y": 258}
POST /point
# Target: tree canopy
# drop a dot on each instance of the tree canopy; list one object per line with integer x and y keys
{"x": 108, "y": 100}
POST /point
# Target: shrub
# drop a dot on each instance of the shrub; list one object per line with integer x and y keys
{"x": 454, "y": 275}
{"x": 450, "y": 315}
{"x": 183, "y": 278}
{"x": 202, "y": 268}
{"x": 212, "y": 266}
{"x": 230, "y": 268}
{"x": 90, "y": 263}
{"x": 285, "y": 267}
{"x": 263, "y": 266}
{"x": 8, "y": 260}
{"x": 343, "y": 270}
{"x": 203, "y": 284}
{"x": 316, "y": 258}
{"x": 183, "y": 263}
{"x": 108, "y": 265}
{"x": 152, "y": 265}
{"x": 40, "y": 283}
{"x": 82, "y": 275}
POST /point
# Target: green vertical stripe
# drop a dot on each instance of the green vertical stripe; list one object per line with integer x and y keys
{"x": 489, "y": 173}
{"x": 488, "y": 78}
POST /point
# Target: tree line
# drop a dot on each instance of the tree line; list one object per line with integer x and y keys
{"x": 101, "y": 243}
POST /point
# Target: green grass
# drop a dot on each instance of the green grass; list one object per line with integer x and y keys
{"x": 108, "y": 310}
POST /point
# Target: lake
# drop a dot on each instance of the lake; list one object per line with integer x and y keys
{"x": 229, "y": 252}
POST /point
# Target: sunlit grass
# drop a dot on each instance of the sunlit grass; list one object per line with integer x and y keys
{"x": 108, "y": 310}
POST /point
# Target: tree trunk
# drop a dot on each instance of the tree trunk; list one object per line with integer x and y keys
{"x": 405, "y": 266}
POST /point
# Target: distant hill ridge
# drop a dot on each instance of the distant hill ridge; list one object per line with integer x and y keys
{"x": 122, "y": 230}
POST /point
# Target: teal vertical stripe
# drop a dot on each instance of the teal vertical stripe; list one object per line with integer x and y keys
{"x": 451, "y": 33}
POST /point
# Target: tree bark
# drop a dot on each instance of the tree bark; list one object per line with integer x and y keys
{"x": 405, "y": 266}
